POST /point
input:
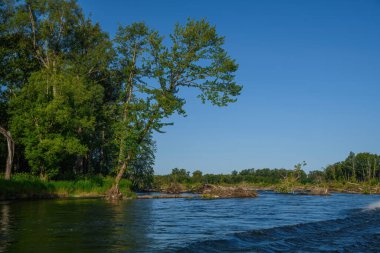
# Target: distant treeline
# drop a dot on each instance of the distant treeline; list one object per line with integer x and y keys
{"x": 361, "y": 167}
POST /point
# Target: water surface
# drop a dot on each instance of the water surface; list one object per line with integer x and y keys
{"x": 269, "y": 223}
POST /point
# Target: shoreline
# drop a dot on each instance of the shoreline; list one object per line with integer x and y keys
{"x": 299, "y": 190}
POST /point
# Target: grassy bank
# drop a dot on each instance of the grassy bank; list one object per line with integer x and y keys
{"x": 23, "y": 186}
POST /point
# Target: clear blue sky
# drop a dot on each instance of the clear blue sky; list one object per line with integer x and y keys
{"x": 311, "y": 76}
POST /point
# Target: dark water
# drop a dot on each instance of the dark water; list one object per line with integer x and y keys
{"x": 270, "y": 223}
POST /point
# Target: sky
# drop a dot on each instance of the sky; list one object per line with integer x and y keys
{"x": 310, "y": 72}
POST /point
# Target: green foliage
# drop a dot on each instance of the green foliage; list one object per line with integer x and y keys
{"x": 361, "y": 167}
{"x": 141, "y": 169}
{"x": 56, "y": 67}
{"x": 24, "y": 185}
{"x": 316, "y": 176}
{"x": 151, "y": 75}
{"x": 179, "y": 175}
{"x": 78, "y": 103}
{"x": 94, "y": 185}
{"x": 197, "y": 176}
{"x": 337, "y": 177}
{"x": 51, "y": 116}
{"x": 288, "y": 184}
{"x": 249, "y": 176}
{"x": 28, "y": 186}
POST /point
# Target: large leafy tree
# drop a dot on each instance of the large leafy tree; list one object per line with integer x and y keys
{"x": 51, "y": 115}
{"x": 16, "y": 64}
{"x": 49, "y": 49}
{"x": 152, "y": 76}
{"x": 73, "y": 99}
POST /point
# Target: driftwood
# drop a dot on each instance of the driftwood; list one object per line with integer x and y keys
{"x": 217, "y": 191}
{"x": 11, "y": 150}
{"x": 163, "y": 196}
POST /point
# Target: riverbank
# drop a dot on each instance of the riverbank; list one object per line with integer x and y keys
{"x": 297, "y": 188}
{"x": 333, "y": 187}
{"x": 23, "y": 186}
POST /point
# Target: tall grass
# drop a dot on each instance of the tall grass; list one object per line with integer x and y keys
{"x": 28, "y": 186}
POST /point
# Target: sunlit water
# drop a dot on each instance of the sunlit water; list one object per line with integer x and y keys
{"x": 269, "y": 223}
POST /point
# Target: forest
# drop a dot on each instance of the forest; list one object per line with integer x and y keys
{"x": 75, "y": 102}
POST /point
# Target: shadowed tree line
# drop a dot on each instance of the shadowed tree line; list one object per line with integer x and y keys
{"x": 75, "y": 102}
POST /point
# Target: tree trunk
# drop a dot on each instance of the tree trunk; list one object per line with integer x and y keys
{"x": 11, "y": 149}
{"x": 369, "y": 169}
{"x": 353, "y": 169}
{"x": 114, "y": 192}
{"x": 374, "y": 169}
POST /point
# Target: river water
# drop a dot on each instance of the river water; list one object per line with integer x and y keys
{"x": 269, "y": 223}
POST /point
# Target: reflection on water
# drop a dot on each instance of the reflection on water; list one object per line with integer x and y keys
{"x": 96, "y": 225}
{"x": 73, "y": 226}
{"x": 4, "y": 226}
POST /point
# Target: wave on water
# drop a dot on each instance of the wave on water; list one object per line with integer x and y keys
{"x": 375, "y": 205}
{"x": 358, "y": 232}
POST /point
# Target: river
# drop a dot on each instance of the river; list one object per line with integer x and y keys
{"x": 269, "y": 223}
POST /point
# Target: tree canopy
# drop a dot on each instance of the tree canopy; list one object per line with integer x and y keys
{"x": 78, "y": 102}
